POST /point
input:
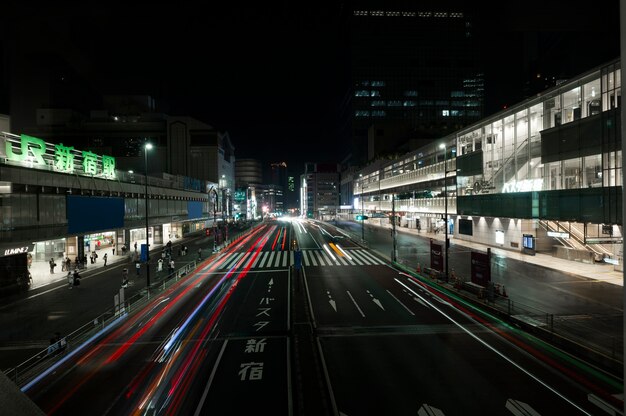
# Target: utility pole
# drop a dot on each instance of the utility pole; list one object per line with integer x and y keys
{"x": 394, "y": 255}
{"x": 445, "y": 193}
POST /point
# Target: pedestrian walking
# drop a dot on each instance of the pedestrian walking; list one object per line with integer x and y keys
{"x": 92, "y": 257}
{"x": 138, "y": 268}
{"x": 171, "y": 266}
{"x": 160, "y": 265}
{"x": 105, "y": 259}
{"x": 76, "y": 277}
{"x": 113, "y": 251}
{"x": 199, "y": 254}
{"x": 135, "y": 246}
{"x": 70, "y": 280}
{"x": 52, "y": 265}
{"x": 125, "y": 277}
{"x": 68, "y": 264}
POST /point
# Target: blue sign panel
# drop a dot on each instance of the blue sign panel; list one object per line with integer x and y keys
{"x": 297, "y": 259}
{"x": 90, "y": 213}
{"x": 194, "y": 209}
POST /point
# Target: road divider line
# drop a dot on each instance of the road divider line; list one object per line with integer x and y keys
{"x": 403, "y": 305}
{"x": 355, "y": 304}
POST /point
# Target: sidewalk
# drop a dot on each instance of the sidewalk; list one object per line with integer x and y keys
{"x": 40, "y": 270}
{"x": 601, "y": 272}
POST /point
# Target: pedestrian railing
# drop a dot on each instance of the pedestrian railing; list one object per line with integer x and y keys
{"x": 44, "y": 359}
{"x": 26, "y": 371}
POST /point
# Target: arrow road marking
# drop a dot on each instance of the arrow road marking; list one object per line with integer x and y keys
{"x": 418, "y": 300}
{"x": 376, "y": 301}
{"x": 520, "y": 408}
{"x": 355, "y": 304}
{"x": 427, "y": 410}
{"x": 332, "y": 301}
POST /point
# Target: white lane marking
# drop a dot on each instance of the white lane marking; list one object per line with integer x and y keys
{"x": 313, "y": 260}
{"x": 487, "y": 345}
{"x": 208, "y": 386}
{"x": 403, "y": 305}
{"x": 355, "y": 304}
{"x": 376, "y": 301}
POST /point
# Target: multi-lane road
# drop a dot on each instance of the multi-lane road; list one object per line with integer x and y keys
{"x": 247, "y": 333}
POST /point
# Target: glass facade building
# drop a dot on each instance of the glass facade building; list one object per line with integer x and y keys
{"x": 549, "y": 167}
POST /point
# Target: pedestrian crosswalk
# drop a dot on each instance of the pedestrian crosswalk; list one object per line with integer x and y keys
{"x": 351, "y": 258}
{"x": 284, "y": 259}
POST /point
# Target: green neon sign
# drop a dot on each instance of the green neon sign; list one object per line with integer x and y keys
{"x": 34, "y": 152}
{"x": 35, "y": 146}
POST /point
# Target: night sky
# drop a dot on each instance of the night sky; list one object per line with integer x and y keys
{"x": 276, "y": 76}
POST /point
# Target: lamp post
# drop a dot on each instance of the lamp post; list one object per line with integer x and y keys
{"x": 148, "y": 146}
{"x": 214, "y": 218}
{"x": 362, "y": 212}
{"x": 445, "y": 187}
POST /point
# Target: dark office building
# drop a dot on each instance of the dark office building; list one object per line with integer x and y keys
{"x": 414, "y": 64}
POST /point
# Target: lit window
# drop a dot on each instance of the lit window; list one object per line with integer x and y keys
{"x": 374, "y": 93}
{"x": 362, "y": 113}
{"x": 379, "y": 113}
{"x": 410, "y": 93}
{"x": 394, "y": 103}
{"x": 408, "y": 103}
{"x": 362, "y": 93}
{"x": 378, "y": 83}
{"x": 378, "y": 103}
{"x": 445, "y": 113}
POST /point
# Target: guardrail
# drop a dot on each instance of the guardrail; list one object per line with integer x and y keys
{"x": 27, "y": 370}
{"x": 586, "y": 340}
{"x": 583, "y": 340}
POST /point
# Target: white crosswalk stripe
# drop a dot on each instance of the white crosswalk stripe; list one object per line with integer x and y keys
{"x": 361, "y": 257}
{"x": 357, "y": 258}
{"x": 284, "y": 259}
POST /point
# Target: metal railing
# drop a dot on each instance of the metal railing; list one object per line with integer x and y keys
{"x": 37, "y": 364}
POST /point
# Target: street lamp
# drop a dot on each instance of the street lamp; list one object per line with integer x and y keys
{"x": 214, "y": 217}
{"x": 362, "y": 213}
{"x": 445, "y": 187}
{"x": 148, "y": 146}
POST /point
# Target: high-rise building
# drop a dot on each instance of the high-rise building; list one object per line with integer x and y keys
{"x": 320, "y": 189}
{"x": 414, "y": 64}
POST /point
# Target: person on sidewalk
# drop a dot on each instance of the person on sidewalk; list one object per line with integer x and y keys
{"x": 76, "y": 277}
{"x": 70, "y": 280}
{"x": 105, "y": 259}
{"x": 52, "y": 265}
{"x": 138, "y": 267}
{"x": 160, "y": 265}
{"x": 199, "y": 254}
{"x": 125, "y": 277}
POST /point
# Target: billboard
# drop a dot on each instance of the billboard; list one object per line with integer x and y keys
{"x": 436, "y": 257}
{"x": 481, "y": 268}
